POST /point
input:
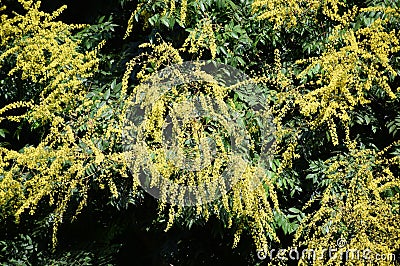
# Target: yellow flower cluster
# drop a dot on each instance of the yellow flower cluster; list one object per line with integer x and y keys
{"x": 353, "y": 62}
{"x": 63, "y": 164}
{"x": 131, "y": 20}
{"x": 183, "y": 12}
{"x": 289, "y": 13}
{"x": 34, "y": 36}
{"x": 200, "y": 38}
{"x": 161, "y": 55}
{"x": 42, "y": 51}
{"x": 248, "y": 201}
{"x": 168, "y": 8}
{"x": 361, "y": 212}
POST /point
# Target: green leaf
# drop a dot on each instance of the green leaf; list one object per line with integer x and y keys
{"x": 164, "y": 20}
{"x": 294, "y": 210}
{"x": 107, "y": 94}
{"x": 234, "y": 35}
{"x": 241, "y": 61}
{"x": 3, "y": 132}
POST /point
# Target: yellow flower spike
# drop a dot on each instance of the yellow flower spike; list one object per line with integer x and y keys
{"x": 202, "y": 37}
{"x": 183, "y": 12}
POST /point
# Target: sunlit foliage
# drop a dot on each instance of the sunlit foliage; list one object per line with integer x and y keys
{"x": 328, "y": 70}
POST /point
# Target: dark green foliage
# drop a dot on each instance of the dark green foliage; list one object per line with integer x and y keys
{"x": 126, "y": 231}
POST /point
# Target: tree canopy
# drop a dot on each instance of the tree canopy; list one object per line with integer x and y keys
{"x": 304, "y": 131}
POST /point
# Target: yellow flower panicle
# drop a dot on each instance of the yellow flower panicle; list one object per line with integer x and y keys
{"x": 361, "y": 213}
{"x": 291, "y": 12}
{"x": 42, "y": 51}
